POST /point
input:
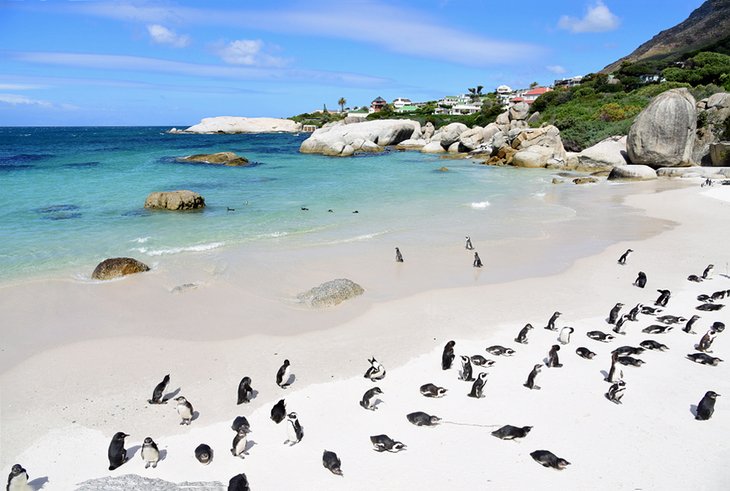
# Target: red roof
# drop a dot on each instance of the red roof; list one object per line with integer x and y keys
{"x": 538, "y": 91}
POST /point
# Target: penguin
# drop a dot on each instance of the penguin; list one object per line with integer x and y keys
{"x": 398, "y": 256}
{"x": 640, "y": 280}
{"x": 706, "y": 406}
{"x": 419, "y": 418}
{"x": 708, "y": 270}
{"x": 688, "y": 327}
{"x": 663, "y": 299}
{"x": 185, "y": 410}
{"x": 618, "y": 328}
{"x": 498, "y": 350}
{"x": 614, "y": 374}
{"x": 295, "y": 432}
{"x": 466, "y": 369}
{"x": 671, "y": 319}
{"x": 653, "y": 345}
{"x": 709, "y": 307}
{"x": 702, "y": 297}
{"x": 630, "y": 361}
{"x": 718, "y": 326}
{"x": 624, "y": 256}
{"x": 600, "y": 336}
{"x": 477, "y": 261}
{"x": 522, "y": 335}
{"x": 694, "y": 277}
{"x": 159, "y": 391}
{"x": 480, "y": 361}
{"x": 332, "y": 462}
{"x": 367, "y": 401}
{"x": 585, "y": 353}
{"x": 530, "y": 384}
{"x": 628, "y": 350}
{"x": 239, "y": 482}
{"x": 509, "y": 432}
{"x": 241, "y": 422}
{"x": 204, "y": 454}
{"x": 565, "y": 333}
{"x": 468, "y": 246}
{"x": 477, "y": 387}
{"x": 117, "y": 453}
{"x": 548, "y": 459}
{"x": 645, "y": 309}
{"x": 431, "y": 390}
{"x": 283, "y": 375}
{"x": 704, "y": 359}
{"x": 657, "y": 329}
{"x": 551, "y": 322}
{"x": 376, "y": 370}
{"x": 718, "y": 295}
{"x": 245, "y": 392}
{"x": 616, "y": 392}
{"x": 633, "y": 313}
{"x": 383, "y": 443}
{"x": 553, "y": 361}
{"x": 706, "y": 342}
{"x": 17, "y": 479}
{"x": 240, "y": 441}
{"x": 447, "y": 358}
{"x": 150, "y": 453}
{"x": 278, "y": 412}
{"x": 613, "y": 315}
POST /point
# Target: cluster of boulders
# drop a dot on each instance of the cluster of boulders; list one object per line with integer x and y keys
{"x": 343, "y": 140}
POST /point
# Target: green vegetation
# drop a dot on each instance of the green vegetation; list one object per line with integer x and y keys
{"x": 317, "y": 119}
{"x": 490, "y": 109}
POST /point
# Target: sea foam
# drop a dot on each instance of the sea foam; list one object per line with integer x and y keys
{"x": 480, "y": 205}
{"x": 178, "y": 250}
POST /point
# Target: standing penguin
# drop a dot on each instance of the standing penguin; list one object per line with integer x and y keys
{"x": 398, "y": 256}
{"x": 447, "y": 358}
{"x": 688, "y": 327}
{"x": 295, "y": 433}
{"x": 376, "y": 370}
{"x": 522, "y": 335}
{"x": 553, "y": 361}
{"x": 624, "y": 256}
{"x": 530, "y": 384}
{"x": 283, "y": 375}
{"x": 640, "y": 280}
{"x": 618, "y": 329}
{"x": 613, "y": 315}
{"x": 367, "y": 401}
{"x": 466, "y": 369}
{"x": 633, "y": 313}
{"x": 240, "y": 441}
{"x": 468, "y": 245}
{"x": 204, "y": 454}
{"x": 707, "y": 271}
{"x": 278, "y": 412}
{"x": 565, "y": 333}
{"x": 706, "y": 341}
{"x": 150, "y": 453}
{"x": 18, "y": 479}
{"x": 614, "y": 374}
{"x": 185, "y": 410}
{"x": 477, "y": 387}
{"x": 117, "y": 453}
{"x": 159, "y": 391}
{"x": 551, "y": 322}
{"x": 477, "y": 261}
{"x": 245, "y": 392}
{"x": 239, "y": 482}
{"x": 616, "y": 392}
{"x": 663, "y": 298}
{"x": 706, "y": 406}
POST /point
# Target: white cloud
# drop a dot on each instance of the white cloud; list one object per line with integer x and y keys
{"x": 248, "y": 52}
{"x": 163, "y": 35}
{"x": 20, "y": 86}
{"x": 598, "y": 18}
{"x": 17, "y": 100}
{"x": 558, "y": 69}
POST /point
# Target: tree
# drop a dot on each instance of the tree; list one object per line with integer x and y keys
{"x": 475, "y": 93}
{"x": 342, "y": 103}
{"x": 533, "y": 85}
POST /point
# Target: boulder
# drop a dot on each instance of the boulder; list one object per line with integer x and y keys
{"x": 345, "y": 139}
{"x": 585, "y": 180}
{"x": 428, "y": 130}
{"x": 489, "y": 131}
{"x": 233, "y": 125}
{"x": 519, "y": 111}
{"x": 221, "y": 158}
{"x": 433, "y": 147}
{"x": 117, "y": 267}
{"x": 720, "y": 154}
{"x": 663, "y": 134}
{"x": 411, "y": 144}
{"x": 450, "y": 133}
{"x": 134, "y": 482}
{"x": 713, "y": 112}
{"x": 534, "y": 157}
{"x": 502, "y": 119}
{"x": 175, "y": 200}
{"x": 711, "y": 172}
{"x": 605, "y": 154}
{"x": 473, "y": 138}
{"x": 632, "y": 173}
{"x": 331, "y": 293}
{"x": 455, "y": 147}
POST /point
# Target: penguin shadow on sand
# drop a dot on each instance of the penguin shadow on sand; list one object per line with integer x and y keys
{"x": 171, "y": 395}
{"x": 288, "y": 382}
{"x": 249, "y": 445}
{"x": 38, "y": 483}
{"x": 163, "y": 454}
{"x": 132, "y": 451}
{"x": 693, "y": 409}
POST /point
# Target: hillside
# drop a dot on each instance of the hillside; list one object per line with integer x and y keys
{"x": 708, "y": 25}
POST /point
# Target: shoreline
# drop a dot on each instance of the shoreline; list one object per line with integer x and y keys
{"x": 460, "y": 310}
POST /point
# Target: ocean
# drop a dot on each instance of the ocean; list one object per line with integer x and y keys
{"x": 73, "y": 196}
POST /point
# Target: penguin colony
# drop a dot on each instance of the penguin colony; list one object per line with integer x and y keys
{"x": 662, "y": 324}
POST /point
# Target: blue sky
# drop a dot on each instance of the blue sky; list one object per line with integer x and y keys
{"x": 174, "y": 62}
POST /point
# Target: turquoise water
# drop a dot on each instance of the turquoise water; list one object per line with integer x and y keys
{"x": 74, "y": 196}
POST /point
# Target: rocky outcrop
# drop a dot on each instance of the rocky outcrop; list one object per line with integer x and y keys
{"x": 519, "y": 112}
{"x": 690, "y": 172}
{"x": 604, "y": 155}
{"x": 331, "y": 293}
{"x": 134, "y": 482}
{"x": 233, "y": 125}
{"x": 720, "y": 154}
{"x": 343, "y": 140}
{"x": 663, "y": 134}
{"x": 449, "y": 134}
{"x": 433, "y": 147}
{"x": 711, "y": 116}
{"x": 117, "y": 267}
{"x": 175, "y": 200}
{"x": 221, "y": 158}
{"x": 632, "y": 173}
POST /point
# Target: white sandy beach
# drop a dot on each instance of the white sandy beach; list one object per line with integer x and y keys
{"x": 81, "y": 359}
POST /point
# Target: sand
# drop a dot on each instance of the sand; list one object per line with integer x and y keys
{"x": 81, "y": 368}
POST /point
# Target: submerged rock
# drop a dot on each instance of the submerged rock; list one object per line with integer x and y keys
{"x": 117, "y": 267}
{"x": 331, "y": 293}
{"x": 174, "y": 200}
{"x": 220, "y": 158}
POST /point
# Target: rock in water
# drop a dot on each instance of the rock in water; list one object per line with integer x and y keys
{"x": 663, "y": 134}
{"x": 220, "y": 158}
{"x": 117, "y": 267}
{"x": 175, "y": 200}
{"x": 234, "y": 125}
{"x": 331, "y": 293}
{"x": 343, "y": 140}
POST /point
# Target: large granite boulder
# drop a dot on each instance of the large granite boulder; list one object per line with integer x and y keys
{"x": 117, "y": 267}
{"x": 663, "y": 134}
{"x": 433, "y": 147}
{"x": 519, "y": 111}
{"x": 720, "y": 154}
{"x": 449, "y": 134}
{"x": 220, "y": 158}
{"x": 712, "y": 112}
{"x": 412, "y": 144}
{"x": 428, "y": 130}
{"x": 604, "y": 155}
{"x": 533, "y": 157}
{"x": 632, "y": 173}
{"x": 233, "y": 125}
{"x": 331, "y": 293}
{"x": 472, "y": 138}
{"x": 345, "y": 139}
{"x": 175, "y": 200}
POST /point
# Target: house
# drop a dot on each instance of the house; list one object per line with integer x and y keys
{"x": 568, "y": 82}
{"x": 401, "y": 102}
{"x": 377, "y": 105}
{"x": 407, "y": 109}
{"x": 535, "y": 92}
{"x": 504, "y": 93}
